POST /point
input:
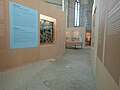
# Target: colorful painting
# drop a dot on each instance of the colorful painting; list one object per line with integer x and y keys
{"x": 46, "y": 31}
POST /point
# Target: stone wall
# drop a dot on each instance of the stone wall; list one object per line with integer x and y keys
{"x": 85, "y": 13}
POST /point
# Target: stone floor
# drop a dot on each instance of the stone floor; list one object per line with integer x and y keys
{"x": 73, "y": 71}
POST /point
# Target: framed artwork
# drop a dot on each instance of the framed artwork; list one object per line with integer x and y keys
{"x": 46, "y": 31}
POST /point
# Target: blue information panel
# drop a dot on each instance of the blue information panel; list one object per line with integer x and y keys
{"x": 23, "y": 26}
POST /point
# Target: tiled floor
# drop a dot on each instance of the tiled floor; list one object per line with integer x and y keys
{"x": 73, "y": 71}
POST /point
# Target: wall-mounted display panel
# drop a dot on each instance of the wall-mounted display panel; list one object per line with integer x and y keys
{"x": 112, "y": 4}
{"x": 102, "y": 18}
{"x": 112, "y": 48}
{"x": 47, "y": 29}
{"x": 23, "y": 26}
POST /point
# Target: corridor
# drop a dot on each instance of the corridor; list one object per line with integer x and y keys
{"x": 73, "y": 71}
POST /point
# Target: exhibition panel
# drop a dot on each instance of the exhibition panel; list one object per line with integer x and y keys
{"x": 20, "y": 38}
